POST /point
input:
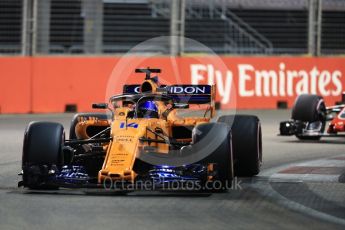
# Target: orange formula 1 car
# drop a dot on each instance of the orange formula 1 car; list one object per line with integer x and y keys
{"x": 310, "y": 116}
{"x": 144, "y": 137}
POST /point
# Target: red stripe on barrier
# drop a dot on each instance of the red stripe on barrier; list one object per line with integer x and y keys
{"x": 313, "y": 170}
{"x": 338, "y": 158}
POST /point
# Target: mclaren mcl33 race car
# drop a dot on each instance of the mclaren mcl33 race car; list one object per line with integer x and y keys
{"x": 141, "y": 136}
{"x": 311, "y": 119}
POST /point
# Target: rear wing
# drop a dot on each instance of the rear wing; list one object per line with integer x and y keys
{"x": 131, "y": 89}
{"x": 191, "y": 94}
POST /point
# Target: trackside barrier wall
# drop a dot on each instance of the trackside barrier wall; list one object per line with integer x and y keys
{"x": 48, "y": 84}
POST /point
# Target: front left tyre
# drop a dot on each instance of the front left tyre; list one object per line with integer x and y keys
{"x": 247, "y": 143}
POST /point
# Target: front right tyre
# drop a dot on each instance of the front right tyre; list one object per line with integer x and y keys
{"x": 42, "y": 153}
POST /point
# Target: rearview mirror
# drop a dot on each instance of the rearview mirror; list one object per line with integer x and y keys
{"x": 100, "y": 105}
{"x": 329, "y": 117}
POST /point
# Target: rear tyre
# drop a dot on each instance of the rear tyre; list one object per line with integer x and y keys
{"x": 309, "y": 108}
{"x": 42, "y": 152}
{"x": 215, "y": 138}
{"x": 86, "y": 116}
{"x": 247, "y": 143}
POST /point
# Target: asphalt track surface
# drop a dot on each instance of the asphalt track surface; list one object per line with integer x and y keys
{"x": 257, "y": 204}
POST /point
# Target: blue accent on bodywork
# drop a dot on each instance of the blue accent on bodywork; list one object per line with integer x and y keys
{"x": 77, "y": 176}
{"x": 149, "y": 106}
{"x": 129, "y": 125}
{"x": 73, "y": 174}
{"x": 163, "y": 173}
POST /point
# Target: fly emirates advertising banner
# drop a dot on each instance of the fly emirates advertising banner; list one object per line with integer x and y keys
{"x": 49, "y": 84}
{"x": 263, "y": 82}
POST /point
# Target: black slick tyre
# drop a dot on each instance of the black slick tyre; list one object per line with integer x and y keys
{"x": 247, "y": 143}
{"x": 309, "y": 108}
{"x": 42, "y": 152}
{"x": 215, "y": 139}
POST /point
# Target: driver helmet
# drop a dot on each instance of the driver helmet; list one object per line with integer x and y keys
{"x": 148, "y": 109}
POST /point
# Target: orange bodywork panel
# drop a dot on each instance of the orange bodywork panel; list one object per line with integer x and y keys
{"x": 81, "y": 128}
{"x": 125, "y": 146}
